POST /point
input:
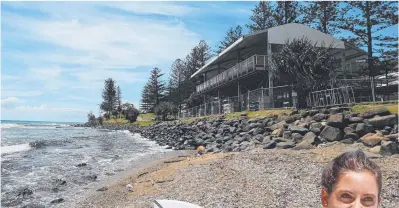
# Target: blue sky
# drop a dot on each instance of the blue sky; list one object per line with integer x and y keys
{"x": 56, "y": 55}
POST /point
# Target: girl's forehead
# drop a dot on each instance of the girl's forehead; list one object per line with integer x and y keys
{"x": 359, "y": 182}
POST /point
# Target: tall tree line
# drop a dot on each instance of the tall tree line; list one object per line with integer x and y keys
{"x": 180, "y": 85}
{"x": 362, "y": 20}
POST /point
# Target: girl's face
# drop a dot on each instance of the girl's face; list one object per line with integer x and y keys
{"x": 353, "y": 190}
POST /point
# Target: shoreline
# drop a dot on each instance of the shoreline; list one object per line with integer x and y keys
{"x": 144, "y": 162}
{"x": 257, "y": 178}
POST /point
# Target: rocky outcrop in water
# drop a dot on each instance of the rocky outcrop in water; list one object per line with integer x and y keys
{"x": 299, "y": 130}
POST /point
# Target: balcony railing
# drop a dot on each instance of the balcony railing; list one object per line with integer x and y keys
{"x": 256, "y": 62}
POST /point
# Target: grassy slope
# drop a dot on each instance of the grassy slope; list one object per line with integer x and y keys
{"x": 147, "y": 119}
{"x": 142, "y": 120}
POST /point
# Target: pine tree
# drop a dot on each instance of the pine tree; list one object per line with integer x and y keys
{"x": 323, "y": 15}
{"x": 175, "y": 81}
{"x": 109, "y": 96}
{"x": 287, "y": 12}
{"x": 119, "y": 99}
{"x": 157, "y": 85}
{"x": 146, "y": 99}
{"x": 262, "y": 17}
{"x": 365, "y": 20}
{"x": 232, "y": 35}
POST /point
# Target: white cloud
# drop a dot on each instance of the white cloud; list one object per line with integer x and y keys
{"x": 15, "y": 93}
{"x": 108, "y": 41}
{"x": 48, "y": 108}
{"x": 160, "y": 8}
{"x": 10, "y": 102}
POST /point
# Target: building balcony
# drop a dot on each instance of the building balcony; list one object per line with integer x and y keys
{"x": 249, "y": 65}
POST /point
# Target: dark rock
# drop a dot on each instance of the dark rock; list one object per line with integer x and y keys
{"x": 347, "y": 141}
{"x": 313, "y": 112}
{"x": 315, "y": 130}
{"x": 280, "y": 139}
{"x": 331, "y": 134}
{"x": 287, "y": 134}
{"x": 336, "y": 120}
{"x": 102, "y": 189}
{"x": 319, "y": 117}
{"x": 266, "y": 139}
{"x": 232, "y": 129}
{"x": 25, "y": 192}
{"x": 389, "y": 148}
{"x": 381, "y": 122}
{"x": 296, "y": 137}
{"x": 56, "y": 201}
{"x": 384, "y": 132}
{"x": 309, "y": 141}
{"x": 355, "y": 120}
{"x": 60, "y": 182}
{"x": 316, "y": 125}
{"x": 285, "y": 145}
{"x": 304, "y": 114}
{"x": 353, "y": 126}
{"x": 81, "y": 165}
{"x": 352, "y": 136}
{"x": 270, "y": 144}
{"x": 298, "y": 129}
{"x": 91, "y": 177}
{"x": 362, "y": 129}
{"x": 375, "y": 112}
{"x": 388, "y": 128}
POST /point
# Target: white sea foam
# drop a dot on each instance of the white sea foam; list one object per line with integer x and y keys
{"x": 15, "y": 148}
{"x": 9, "y": 125}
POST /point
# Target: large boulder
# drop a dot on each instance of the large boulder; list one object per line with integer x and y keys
{"x": 331, "y": 134}
{"x": 375, "y": 112}
{"x": 362, "y": 129}
{"x": 319, "y": 117}
{"x": 278, "y": 125}
{"x": 347, "y": 141}
{"x": 309, "y": 141}
{"x": 389, "y": 148}
{"x": 352, "y": 136}
{"x": 270, "y": 144}
{"x": 296, "y": 137}
{"x": 285, "y": 145}
{"x": 298, "y": 129}
{"x": 381, "y": 122}
{"x": 371, "y": 139}
{"x": 336, "y": 120}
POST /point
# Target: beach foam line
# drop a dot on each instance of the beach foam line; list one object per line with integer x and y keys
{"x": 15, "y": 148}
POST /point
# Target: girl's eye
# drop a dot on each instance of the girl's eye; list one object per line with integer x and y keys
{"x": 346, "y": 198}
{"x": 368, "y": 201}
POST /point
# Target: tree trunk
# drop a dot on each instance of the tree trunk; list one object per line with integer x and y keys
{"x": 324, "y": 24}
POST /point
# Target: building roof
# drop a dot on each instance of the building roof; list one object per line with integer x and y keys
{"x": 252, "y": 43}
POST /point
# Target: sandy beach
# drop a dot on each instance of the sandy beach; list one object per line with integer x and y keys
{"x": 258, "y": 178}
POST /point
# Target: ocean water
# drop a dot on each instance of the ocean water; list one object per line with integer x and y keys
{"x": 39, "y": 160}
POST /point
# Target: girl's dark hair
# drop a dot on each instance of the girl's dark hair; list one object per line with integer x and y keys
{"x": 349, "y": 161}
